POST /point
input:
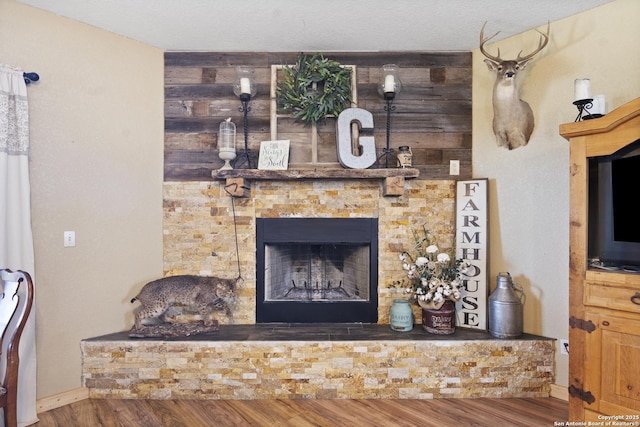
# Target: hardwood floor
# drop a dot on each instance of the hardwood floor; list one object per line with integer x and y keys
{"x": 312, "y": 412}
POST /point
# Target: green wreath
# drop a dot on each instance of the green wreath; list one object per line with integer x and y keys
{"x": 314, "y": 89}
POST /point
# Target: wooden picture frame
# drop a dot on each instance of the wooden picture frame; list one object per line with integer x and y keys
{"x": 472, "y": 237}
{"x": 310, "y": 134}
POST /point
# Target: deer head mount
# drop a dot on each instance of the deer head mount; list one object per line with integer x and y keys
{"x": 512, "y": 117}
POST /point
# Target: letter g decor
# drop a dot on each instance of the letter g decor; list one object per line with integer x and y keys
{"x": 346, "y": 156}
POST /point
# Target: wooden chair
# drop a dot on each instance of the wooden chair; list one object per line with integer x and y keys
{"x": 15, "y": 306}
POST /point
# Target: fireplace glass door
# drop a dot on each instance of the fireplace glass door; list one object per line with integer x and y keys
{"x": 316, "y": 270}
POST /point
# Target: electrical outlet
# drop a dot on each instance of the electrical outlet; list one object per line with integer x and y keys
{"x": 454, "y": 167}
{"x": 564, "y": 347}
{"x": 69, "y": 239}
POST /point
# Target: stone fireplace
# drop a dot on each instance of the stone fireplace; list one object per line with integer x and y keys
{"x": 200, "y": 234}
{"x": 247, "y": 359}
{"x": 316, "y": 270}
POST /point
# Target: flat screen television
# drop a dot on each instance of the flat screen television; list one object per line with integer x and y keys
{"x": 614, "y": 215}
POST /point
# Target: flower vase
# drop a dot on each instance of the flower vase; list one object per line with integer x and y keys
{"x": 440, "y": 321}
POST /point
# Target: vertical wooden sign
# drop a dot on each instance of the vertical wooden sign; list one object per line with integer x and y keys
{"x": 472, "y": 236}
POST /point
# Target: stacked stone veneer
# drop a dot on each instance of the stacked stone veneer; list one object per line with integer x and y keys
{"x": 200, "y": 238}
{"x": 324, "y": 370}
{"x": 200, "y": 235}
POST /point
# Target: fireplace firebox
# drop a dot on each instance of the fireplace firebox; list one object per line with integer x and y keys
{"x": 317, "y": 270}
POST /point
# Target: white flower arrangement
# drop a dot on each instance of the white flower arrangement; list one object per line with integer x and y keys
{"x": 434, "y": 276}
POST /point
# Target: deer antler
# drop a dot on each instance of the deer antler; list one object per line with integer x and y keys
{"x": 483, "y": 41}
{"x": 543, "y": 42}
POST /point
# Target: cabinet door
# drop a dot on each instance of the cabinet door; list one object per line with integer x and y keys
{"x": 619, "y": 365}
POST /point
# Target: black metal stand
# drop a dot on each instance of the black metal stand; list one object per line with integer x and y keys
{"x": 245, "y": 155}
{"x": 387, "y": 152}
{"x": 583, "y": 106}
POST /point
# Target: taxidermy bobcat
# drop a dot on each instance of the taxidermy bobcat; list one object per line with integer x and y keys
{"x": 157, "y": 296}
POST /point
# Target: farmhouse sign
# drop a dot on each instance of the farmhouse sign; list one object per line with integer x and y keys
{"x": 471, "y": 245}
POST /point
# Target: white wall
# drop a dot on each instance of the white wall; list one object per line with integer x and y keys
{"x": 97, "y": 146}
{"x": 96, "y": 168}
{"x": 529, "y": 186}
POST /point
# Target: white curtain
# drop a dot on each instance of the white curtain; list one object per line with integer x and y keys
{"x": 16, "y": 240}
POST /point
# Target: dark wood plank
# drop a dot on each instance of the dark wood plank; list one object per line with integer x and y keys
{"x": 103, "y": 413}
{"x": 134, "y": 413}
{"x": 257, "y": 59}
{"x": 343, "y": 412}
{"x": 212, "y": 413}
{"x": 213, "y": 59}
{"x": 172, "y": 414}
{"x": 403, "y": 412}
{"x": 264, "y": 412}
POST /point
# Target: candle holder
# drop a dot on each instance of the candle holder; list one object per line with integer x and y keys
{"x": 585, "y": 102}
{"x": 389, "y": 87}
{"x": 244, "y": 88}
{"x": 583, "y": 105}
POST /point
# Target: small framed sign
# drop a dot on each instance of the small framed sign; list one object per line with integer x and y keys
{"x": 472, "y": 236}
{"x": 274, "y": 155}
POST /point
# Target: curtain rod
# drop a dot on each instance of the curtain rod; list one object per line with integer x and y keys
{"x": 30, "y": 77}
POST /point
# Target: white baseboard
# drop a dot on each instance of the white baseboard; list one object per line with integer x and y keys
{"x": 61, "y": 399}
{"x": 559, "y": 392}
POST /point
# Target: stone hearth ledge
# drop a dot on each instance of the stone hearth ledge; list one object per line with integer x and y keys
{"x": 326, "y": 361}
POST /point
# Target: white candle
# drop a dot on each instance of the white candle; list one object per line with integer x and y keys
{"x": 245, "y": 85}
{"x": 599, "y": 105}
{"x": 581, "y": 89}
{"x": 389, "y": 83}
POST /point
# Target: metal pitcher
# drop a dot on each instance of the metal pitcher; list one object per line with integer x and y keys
{"x": 506, "y": 308}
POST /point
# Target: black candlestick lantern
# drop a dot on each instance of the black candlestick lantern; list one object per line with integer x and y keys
{"x": 245, "y": 88}
{"x": 389, "y": 87}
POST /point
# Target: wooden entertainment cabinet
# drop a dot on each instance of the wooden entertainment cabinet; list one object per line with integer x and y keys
{"x": 604, "y": 306}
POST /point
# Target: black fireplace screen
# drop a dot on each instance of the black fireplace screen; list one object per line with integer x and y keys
{"x": 310, "y": 272}
{"x": 317, "y": 270}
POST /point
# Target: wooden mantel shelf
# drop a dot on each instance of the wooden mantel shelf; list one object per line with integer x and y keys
{"x": 393, "y": 177}
{"x": 315, "y": 173}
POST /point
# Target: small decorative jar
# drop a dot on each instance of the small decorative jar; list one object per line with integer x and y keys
{"x": 227, "y": 143}
{"x": 405, "y": 156}
{"x": 401, "y": 316}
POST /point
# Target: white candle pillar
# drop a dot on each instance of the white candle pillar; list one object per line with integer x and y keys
{"x": 245, "y": 85}
{"x": 581, "y": 89}
{"x": 389, "y": 83}
{"x": 599, "y": 105}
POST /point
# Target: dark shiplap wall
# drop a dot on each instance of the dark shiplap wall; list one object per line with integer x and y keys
{"x": 433, "y": 110}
